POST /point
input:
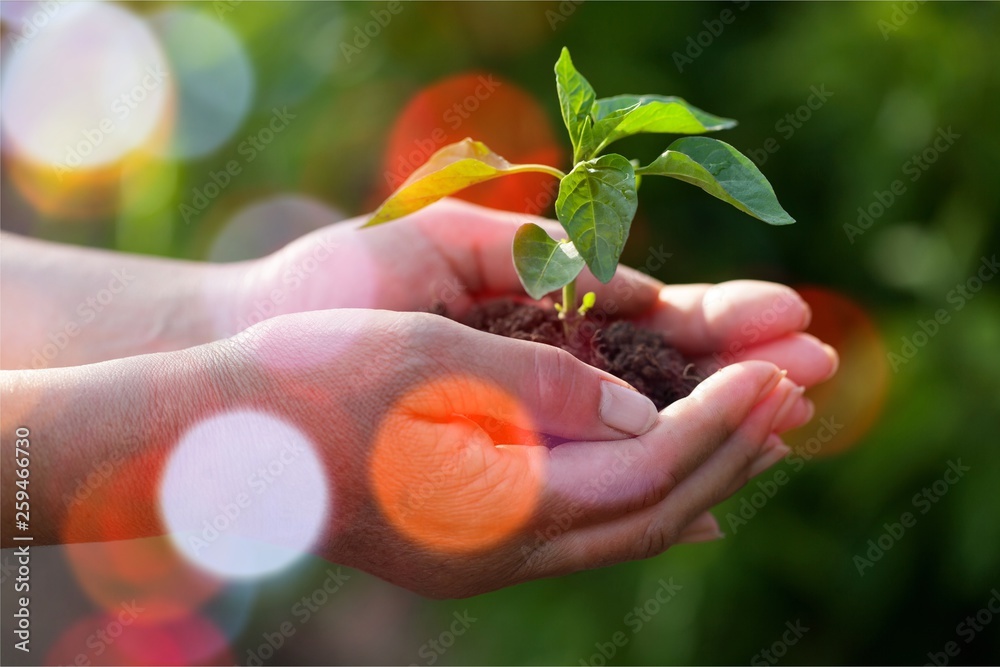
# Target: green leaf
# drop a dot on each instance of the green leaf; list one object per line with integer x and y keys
{"x": 543, "y": 264}
{"x": 453, "y": 168}
{"x": 723, "y": 172}
{"x": 607, "y": 105}
{"x": 576, "y": 98}
{"x": 624, "y": 115}
{"x": 596, "y": 204}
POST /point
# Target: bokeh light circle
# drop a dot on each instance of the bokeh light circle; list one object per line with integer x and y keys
{"x": 214, "y": 80}
{"x": 244, "y": 494}
{"x": 125, "y": 637}
{"x": 146, "y": 571}
{"x": 88, "y": 88}
{"x": 265, "y": 226}
{"x": 849, "y": 404}
{"x": 487, "y": 108}
{"x": 438, "y": 474}
{"x": 112, "y": 564}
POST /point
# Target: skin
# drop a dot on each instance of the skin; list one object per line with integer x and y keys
{"x": 322, "y": 335}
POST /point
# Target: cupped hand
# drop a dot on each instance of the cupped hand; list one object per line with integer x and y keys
{"x": 459, "y": 254}
{"x": 435, "y": 437}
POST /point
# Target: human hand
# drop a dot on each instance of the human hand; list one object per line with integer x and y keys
{"x": 434, "y": 438}
{"x": 451, "y": 252}
{"x": 459, "y": 254}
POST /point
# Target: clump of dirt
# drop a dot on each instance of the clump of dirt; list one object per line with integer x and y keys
{"x": 639, "y": 356}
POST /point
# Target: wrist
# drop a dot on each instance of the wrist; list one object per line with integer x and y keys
{"x": 232, "y": 290}
{"x": 102, "y": 433}
{"x": 322, "y": 270}
{"x": 289, "y": 371}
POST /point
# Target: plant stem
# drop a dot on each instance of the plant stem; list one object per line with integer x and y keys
{"x": 544, "y": 168}
{"x": 568, "y": 299}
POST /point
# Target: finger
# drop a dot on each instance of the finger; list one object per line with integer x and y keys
{"x": 630, "y": 294}
{"x": 703, "y": 529}
{"x": 800, "y": 415}
{"x": 808, "y": 360}
{"x": 725, "y": 319}
{"x": 477, "y": 244}
{"x": 650, "y": 531}
{"x": 773, "y": 451}
{"x": 533, "y": 386}
{"x": 599, "y": 480}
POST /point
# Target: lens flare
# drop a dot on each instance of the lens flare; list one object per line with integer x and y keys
{"x": 852, "y": 401}
{"x": 81, "y": 100}
{"x": 91, "y": 86}
{"x": 265, "y": 226}
{"x": 75, "y": 194}
{"x": 214, "y": 80}
{"x": 488, "y": 109}
{"x": 438, "y": 474}
{"x": 123, "y": 637}
{"x": 244, "y": 494}
{"x": 111, "y": 567}
{"x": 147, "y": 571}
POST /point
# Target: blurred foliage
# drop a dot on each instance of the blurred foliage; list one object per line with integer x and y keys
{"x": 892, "y": 90}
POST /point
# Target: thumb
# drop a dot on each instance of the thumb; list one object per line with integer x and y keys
{"x": 540, "y": 388}
{"x": 477, "y": 242}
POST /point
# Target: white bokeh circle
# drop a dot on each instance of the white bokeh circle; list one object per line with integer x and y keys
{"x": 88, "y": 87}
{"x": 244, "y": 494}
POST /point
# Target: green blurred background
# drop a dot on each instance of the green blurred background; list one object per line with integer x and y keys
{"x": 896, "y": 74}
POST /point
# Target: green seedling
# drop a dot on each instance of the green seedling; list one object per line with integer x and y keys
{"x": 598, "y": 198}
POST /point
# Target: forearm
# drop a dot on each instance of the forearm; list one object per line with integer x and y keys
{"x": 103, "y": 436}
{"x": 98, "y": 436}
{"x": 66, "y": 306}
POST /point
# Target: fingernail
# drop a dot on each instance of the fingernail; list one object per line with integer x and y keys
{"x": 834, "y": 357}
{"x": 769, "y": 458}
{"x": 769, "y": 387}
{"x": 807, "y": 315}
{"x": 707, "y": 535}
{"x": 702, "y": 529}
{"x": 793, "y": 397}
{"x": 626, "y": 409}
{"x": 810, "y": 410}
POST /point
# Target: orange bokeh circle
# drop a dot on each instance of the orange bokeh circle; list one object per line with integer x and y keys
{"x": 438, "y": 473}
{"x": 852, "y": 401}
{"x": 486, "y": 108}
{"x": 113, "y": 566}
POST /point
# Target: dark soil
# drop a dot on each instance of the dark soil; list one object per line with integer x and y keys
{"x": 639, "y": 356}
